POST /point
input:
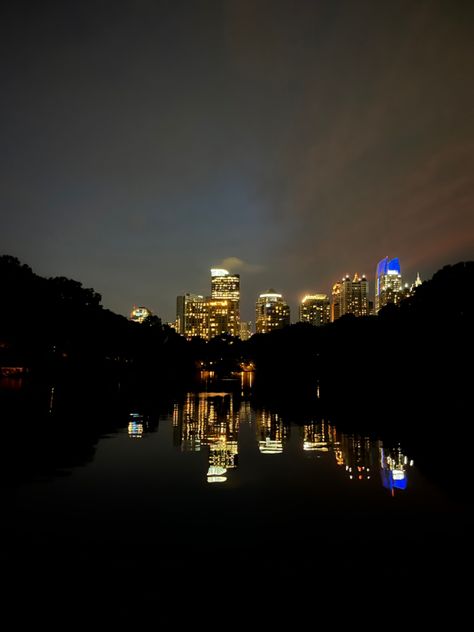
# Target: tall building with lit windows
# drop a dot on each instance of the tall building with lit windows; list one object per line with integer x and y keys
{"x": 224, "y": 304}
{"x": 388, "y": 283}
{"x": 336, "y": 301}
{"x": 219, "y": 313}
{"x": 245, "y": 330}
{"x": 192, "y": 316}
{"x": 359, "y": 296}
{"x": 272, "y": 312}
{"x": 315, "y": 309}
{"x": 350, "y": 296}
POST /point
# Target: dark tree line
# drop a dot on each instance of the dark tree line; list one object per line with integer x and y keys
{"x": 55, "y": 327}
{"x": 412, "y": 362}
{"x": 412, "y": 355}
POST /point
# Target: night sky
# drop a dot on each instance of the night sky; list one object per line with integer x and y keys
{"x": 144, "y": 142}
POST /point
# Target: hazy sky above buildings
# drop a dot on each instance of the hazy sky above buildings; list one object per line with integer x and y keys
{"x": 145, "y": 141}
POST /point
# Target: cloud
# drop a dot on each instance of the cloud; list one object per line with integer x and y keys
{"x": 234, "y": 264}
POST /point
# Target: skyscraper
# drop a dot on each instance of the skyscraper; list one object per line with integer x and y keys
{"x": 192, "y": 316}
{"x": 350, "y": 296}
{"x": 225, "y": 287}
{"x": 315, "y": 309}
{"x": 359, "y": 296}
{"x": 245, "y": 330}
{"x": 272, "y": 312}
{"x": 336, "y": 301}
{"x": 388, "y": 283}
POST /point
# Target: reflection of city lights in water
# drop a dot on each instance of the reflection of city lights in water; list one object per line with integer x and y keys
{"x": 210, "y": 421}
{"x": 135, "y": 426}
{"x": 216, "y": 479}
{"x": 270, "y": 446}
{"x": 315, "y": 445}
{"x": 51, "y": 400}
{"x": 216, "y": 470}
{"x": 135, "y": 430}
{"x": 393, "y": 464}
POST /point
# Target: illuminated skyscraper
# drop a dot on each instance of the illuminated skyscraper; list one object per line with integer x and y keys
{"x": 388, "y": 283}
{"x": 221, "y": 317}
{"x": 272, "y": 312}
{"x": 245, "y": 330}
{"x": 192, "y": 316}
{"x": 315, "y": 309}
{"x": 225, "y": 288}
{"x": 350, "y": 296}
{"x": 359, "y": 296}
{"x": 336, "y": 301}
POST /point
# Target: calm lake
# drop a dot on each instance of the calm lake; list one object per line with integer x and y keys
{"x": 214, "y": 489}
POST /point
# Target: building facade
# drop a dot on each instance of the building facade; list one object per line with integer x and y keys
{"x": 192, "y": 316}
{"x": 245, "y": 329}
{"x": 225, "y": 287}
{"x": 315, "y": 309}
{"x": 350, "y": 296}
{"x": 336, "y": 301}
{"x": 388, "y": 283}
{"x": 271, "y": 311}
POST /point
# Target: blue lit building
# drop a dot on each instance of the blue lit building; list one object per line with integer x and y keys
{"x": 388, "y": 283}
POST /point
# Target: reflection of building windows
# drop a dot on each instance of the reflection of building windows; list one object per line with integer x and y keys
{"x": 394, "y": 465}
{"x": 207, "y": 421}
{"x": 136, "y": 426}
{"x": 271, "y": 432}
{"x": 135, "y": 430}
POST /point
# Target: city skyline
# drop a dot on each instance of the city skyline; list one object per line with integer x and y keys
{"x": 292, "y": 143}
{"x": 354, "y": 296}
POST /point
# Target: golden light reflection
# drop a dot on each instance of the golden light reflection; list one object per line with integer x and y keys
{"x": 207, "y": 421}
{"x": 271, "y": 432}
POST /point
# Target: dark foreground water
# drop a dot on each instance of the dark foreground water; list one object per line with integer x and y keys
{"x": 214, "y": 505}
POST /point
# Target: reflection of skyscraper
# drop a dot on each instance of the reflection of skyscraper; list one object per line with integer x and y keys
{"x": 359, "y": 456}
{"x": 388, "y": 283}
{"x": 315, "y": 309}
{"x": 317, "y": 437}
{"x": 136, "y": 426}
{"x": 208, "y": 422}
{"x": 272, "y": 312}
{"x": 393, "y": 465}
{"x": 271, "y": 432}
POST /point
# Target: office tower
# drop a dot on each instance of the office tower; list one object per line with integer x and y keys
{"x": 388, "y": 283}
{"x": 359, "y": 296}
{"x": 192, "y": 316}
{"x": 336, "y": 301}
{"x": 315, "y": 309}
{"x": 350, "y": 296}
{"x": 139, "y": 314}
{"x": 272, "y": 312}
{"x": 225, "y": 287}
{"x": 221, "y": 318}
{"x": 245, "y": 330}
